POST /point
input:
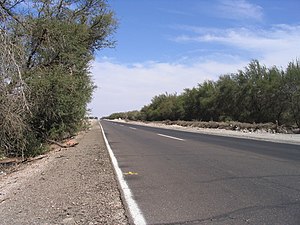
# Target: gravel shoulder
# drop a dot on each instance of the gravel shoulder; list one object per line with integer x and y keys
{"x": 257, "y": 135}
{"x": 68, "y": 186}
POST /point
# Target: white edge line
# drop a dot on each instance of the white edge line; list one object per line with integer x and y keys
{"x": 133, "y": 128}
{"x": 167, "y": 136}
{"x": 134, "y": 209}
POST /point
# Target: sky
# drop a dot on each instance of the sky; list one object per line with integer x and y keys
{"x": 169, "y": 45}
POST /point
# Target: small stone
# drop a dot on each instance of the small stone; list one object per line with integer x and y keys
{"x": 69, "y": 221}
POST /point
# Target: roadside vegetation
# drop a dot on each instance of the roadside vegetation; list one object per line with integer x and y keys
{"x": 45, "y": 82}
{"x": 257, "y": 97}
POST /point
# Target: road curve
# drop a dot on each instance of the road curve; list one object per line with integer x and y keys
{"x": 180, "y": 177}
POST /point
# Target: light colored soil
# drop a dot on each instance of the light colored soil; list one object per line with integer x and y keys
{"x": 69, "y": 186}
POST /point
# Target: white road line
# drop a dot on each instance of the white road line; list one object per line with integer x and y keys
{"x": 167, "y": 136}
{"x": 134, "y": 209}
{"x": 121, "y": 125}
{"x": 133, "y": 128}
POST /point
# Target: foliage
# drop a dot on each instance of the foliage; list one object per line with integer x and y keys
{"x": 254, "y": 95}
{"x": 292, "y": 92}
{"x": 45, "y": 83}
{"x": 163, "y": 107}
{"x": 130, "y": 115}
{"x": 13, "y": 95}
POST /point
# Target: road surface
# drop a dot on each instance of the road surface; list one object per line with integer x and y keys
{"x": 181, "y": 177}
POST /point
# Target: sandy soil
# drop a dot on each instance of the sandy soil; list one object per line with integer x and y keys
{"x": 68, "y": 186}
{"x": 258, "y": 135}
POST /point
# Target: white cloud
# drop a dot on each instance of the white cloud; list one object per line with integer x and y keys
{"x": 128, "y": 87}
{"x": 276, "y": 46}
{"x": 239, "y": 9}
{"x": 124, "y": 87}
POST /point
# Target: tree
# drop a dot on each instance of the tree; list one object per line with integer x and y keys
{"x": 292, "y": 89}
{"x": 191, "y": 104}
{"x": 226, "y": 98}
{"x": 207, "y": 94}
{"x": 163, "y": 107}
{"x": 57, "y": 39}
{"x": 249, "y": 95}
{"x": 274, "y": 99}
{"x": 13, "y": 95}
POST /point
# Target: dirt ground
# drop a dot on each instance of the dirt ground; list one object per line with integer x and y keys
{"x": 68, "y": 186}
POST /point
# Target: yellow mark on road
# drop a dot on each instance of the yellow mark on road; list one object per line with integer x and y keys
{"x": 131, "y": 173}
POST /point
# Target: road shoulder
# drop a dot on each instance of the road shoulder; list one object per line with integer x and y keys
{"x": 71, "y": 186}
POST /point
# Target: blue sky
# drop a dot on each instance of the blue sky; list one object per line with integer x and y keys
{"x": 168, "y": 45}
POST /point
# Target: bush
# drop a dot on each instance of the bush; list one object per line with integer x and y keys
{"x": 45, "y": 83}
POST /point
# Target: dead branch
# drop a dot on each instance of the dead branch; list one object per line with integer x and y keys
{"x": 70, "y": 143}
{"x": 13, "y": 96}
{"x": 56, "y": 143}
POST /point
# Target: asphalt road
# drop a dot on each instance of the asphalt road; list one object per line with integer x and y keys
{"x": 189, "y": 178}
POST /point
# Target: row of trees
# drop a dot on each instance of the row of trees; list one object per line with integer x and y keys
{"x": 45, "y": 83}
{"x": 256, "y": 94}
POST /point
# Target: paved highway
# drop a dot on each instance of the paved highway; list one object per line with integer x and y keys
{"x": 180, "y": 177}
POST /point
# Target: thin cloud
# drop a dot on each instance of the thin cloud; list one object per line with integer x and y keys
{"x": 176, "y": 12}
{"x": 239, "y": 9}
{"x": 278, "y": 44}
{"x": 124, "y": 87}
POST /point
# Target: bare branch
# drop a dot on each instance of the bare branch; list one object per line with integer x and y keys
{"x": 10, "y": 13}
{"x": 13, "y": 96}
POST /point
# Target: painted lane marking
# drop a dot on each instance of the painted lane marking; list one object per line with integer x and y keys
{"x": 121, "y": 125}
{"x": 133, "y": 128}
{"x": 167, "y": 136}
{"x": 133, "y": 207}
{"x": 131, "y": 173}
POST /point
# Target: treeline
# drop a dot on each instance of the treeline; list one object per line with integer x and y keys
{"x": 256, "y": 94}
{"x": 45, "y": 83}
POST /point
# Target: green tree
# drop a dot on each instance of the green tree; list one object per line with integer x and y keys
{"x": 292, "y": 90}
{"x": 226, "y": 98}
{"x": 207, "y": 100}
{"x": 58, "y": 39}
{"x": 199, "y": 103}
{"x": 163, "y": 107}
{"x": 249, "y": 100}
{"x": 191, "y": 104}
{"x": 274, "y": 100}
